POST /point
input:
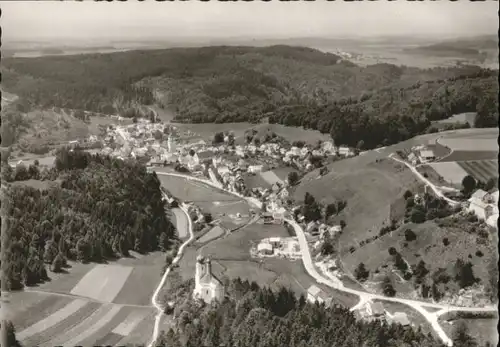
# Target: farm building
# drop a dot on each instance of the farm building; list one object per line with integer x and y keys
{"x": 346, "y": 151}
{"x": 265, "y": 248}
{"x": 426, "y": 156}
{"x": 400, "y": 318}
{"x": 371, "y": 309}
{"x": 255, "y": 168}
{"x": 267, "y": 218}
{"x": 275, "y": 241}
{"x": 485, "y": 206}
{"x": 315, "y": 294}
{"x": 207, "y": 286}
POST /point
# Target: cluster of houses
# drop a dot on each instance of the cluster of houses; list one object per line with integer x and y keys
{"x": 485, "y": 206}
{"x": 287, "y": 247}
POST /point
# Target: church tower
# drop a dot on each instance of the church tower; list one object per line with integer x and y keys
{"x": 171, "y": 144}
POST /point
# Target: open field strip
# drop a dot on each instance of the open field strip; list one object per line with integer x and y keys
{"x": 129, "y": 324}
{"x": 67, "y": 328}
{"x": 77, "y": 328}
{"x": 451, "y": 171}
{"x": 52, "y": 320}
{"x": 25, "y": 316}
{"x": 139, "y": 286}
{"x": 61, "y": 327}
{"x": 94, "y": 327}
{"x": 470, "y": 156}
{"x": 180, "y": 219}
{"x": 105, "y": 329}
{"x": 138, "y": 337}
{"x": 470, "y": 144}
{"x": 212, "y": 234}
{"x": 103, "y": 282}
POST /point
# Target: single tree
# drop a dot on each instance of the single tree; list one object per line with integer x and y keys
{"x": 468, "y": 184}
{"x": 387, "y": 287}
{"x": 410, "y": 235}
{"x": 57, "y": 264}
{"x": 293, "y": 178}
{"x": 361, "y": 273}
{"x": 218, "y": 138}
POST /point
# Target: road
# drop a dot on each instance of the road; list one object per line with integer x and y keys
{"x": 432, "y": 318}
{"x": 434, "y": 188}
{"x": 154, "y": 298}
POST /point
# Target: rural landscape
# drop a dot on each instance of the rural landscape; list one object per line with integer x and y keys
{"x": 309, "y": 191}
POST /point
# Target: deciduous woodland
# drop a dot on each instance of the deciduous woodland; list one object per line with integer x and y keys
{"x": 379, "y": 104}
{"x": 102, "y": 208}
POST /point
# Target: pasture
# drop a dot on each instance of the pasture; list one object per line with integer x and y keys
{"x": 373, "y": 192}
{"x": 483, "y": 330}
{"x": 212, "y": 234}
{"x": 469, "y": 141}
{"x": 467, "y": 117}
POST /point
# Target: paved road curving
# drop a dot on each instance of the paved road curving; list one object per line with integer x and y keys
{"x": 154, "y": 298}
{"x": 431, "y": 317}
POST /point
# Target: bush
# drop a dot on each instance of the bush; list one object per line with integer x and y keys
{"x": 393, "y": 251}
{"x": 410, "y": 235}
{"x": 446, "y": 242}
{"x": 361, "y": 273}
{"x": 479, "y": 254}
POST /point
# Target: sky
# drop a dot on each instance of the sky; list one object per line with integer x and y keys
{"x": 131, "y": 19}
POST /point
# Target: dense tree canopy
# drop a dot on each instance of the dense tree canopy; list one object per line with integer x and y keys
{"x": 103, "y": 208}
{"x": 254, "y": 316}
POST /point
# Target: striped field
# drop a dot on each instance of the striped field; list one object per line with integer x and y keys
{"x": 481, "y": 170}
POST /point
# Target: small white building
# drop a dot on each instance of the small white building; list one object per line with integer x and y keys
{"x": 255, "y": 168}
{"x": 346, "y": 151}
{"x": 275, "y": 241}
{"x": 485, "y": 206}
{"x": 315, "y": 294}
{"x": 265, "y": 248}
{"x": 223, "y": 170}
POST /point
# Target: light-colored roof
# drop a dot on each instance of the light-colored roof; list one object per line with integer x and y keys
{"x": 313, "y": 290}
{"x": 427, "y": 153}
{"x": 494, "y": 195}
{"x": 401, "y": 318}
{"x": 492, "y": 220}
{"x": 378, "y": 308}
{"x": 479, "y": 194}
{"x": 264, "y": 246}
{"x": 274, "y": 239}
{"x": 478, "y": 202}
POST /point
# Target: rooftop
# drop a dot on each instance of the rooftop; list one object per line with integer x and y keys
{"x": 313, "y": 290}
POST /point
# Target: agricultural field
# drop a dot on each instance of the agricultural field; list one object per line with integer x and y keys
{"x": 371, "y": 189}
{"x": 438, "y": 247}
{"x": 481, "y": 170}
{"x": 91, "y": 304}
{"x": 452, "y": 172}
{"x": 212, "y": 234}
{"x": 193, "y": 191}
{"x": 49, "y": 320}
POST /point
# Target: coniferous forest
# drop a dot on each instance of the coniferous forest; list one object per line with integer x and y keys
{"x": 258, "y": 317}
{"x": 101, "y": 209}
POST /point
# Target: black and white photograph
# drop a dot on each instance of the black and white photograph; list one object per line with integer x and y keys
{"x": 249, "y": 173}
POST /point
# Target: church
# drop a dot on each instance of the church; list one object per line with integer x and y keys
{"x": 207, "y": 286}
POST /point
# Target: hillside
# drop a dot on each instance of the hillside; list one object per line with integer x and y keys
{"x": 101, "y": 209}
{"x": 289, "y": 85}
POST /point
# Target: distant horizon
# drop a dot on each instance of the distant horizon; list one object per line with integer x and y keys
{"x": 41, "y": 21}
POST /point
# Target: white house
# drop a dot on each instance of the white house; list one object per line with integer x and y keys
{"x": 314, "y": 294}
{"x": 485, "y": 206}
{"x": 265, "y": 248}
{"x": 255, "y": 168}
{"x": 223, "y": 170}
{"x": 371, "y": 309}
{"x": 275, "y": 241}
{"x": 346, "y": 151}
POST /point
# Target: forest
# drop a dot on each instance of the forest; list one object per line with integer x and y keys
{"x": 101, "y": 209}
{"x": 251, "y": 316}
{"x": 363, "y": 107}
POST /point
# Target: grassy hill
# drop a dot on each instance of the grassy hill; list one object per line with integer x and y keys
{"x": 288, "y": 85}
{"x": 372, "y": 191}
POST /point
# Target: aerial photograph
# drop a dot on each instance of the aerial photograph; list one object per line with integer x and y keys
{"x": 249, "y": 174}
